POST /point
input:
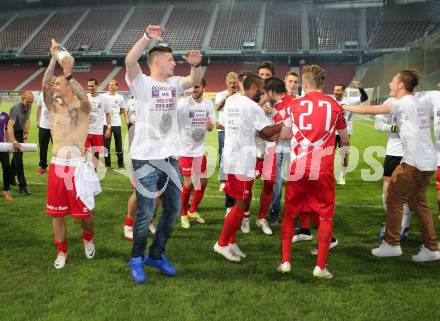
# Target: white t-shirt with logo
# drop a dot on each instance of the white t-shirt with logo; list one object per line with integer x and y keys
{"x": 413, "y": 121}
{"x": 156, "y": 133}
{"x": 115, "y": 103}
{"x": 98, "y": 110}
{"x": 193, "y": 117}
{"x": 241, "y": 118}
{"x": 44, "y": 116}
{"x": 348, "y": 114}
{"x": 432, "y": 100}
{"x": 384, "y": 122}
{"x": 218, "y": 98}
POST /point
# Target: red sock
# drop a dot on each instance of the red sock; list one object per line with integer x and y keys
{"x": 88, "y": 236}
{"x": 304, "y": 222}
{"x": 325, "y": 233}
{"x": 231, "y": 225}
{"x": 265, "y": 198}
{"x": 186, "y": 193}
{"x": 313, "y": 218}
{"x": 287, "y": 232}
{"x": 129, "y": 221}
{"x": 197, "y": 198}
{"x": 61, "y": 247}
{"x": 248, "y": 206}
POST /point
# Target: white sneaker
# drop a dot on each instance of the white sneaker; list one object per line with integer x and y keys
{"x": 246, "y": 225}
{"x": 184, "y": 221}
{"x": 387, "y": 250}
{"x": 89, "y": 249}
{"x": 302, "y": 237}
{"x": 332, "y": 245}
{"x": 225, "y": 251}
{"x": 426, "y": 255}
{"x": 236, "y": 250}
{"x": 152, "y": 228}
{"x": 322, "y": 273}
{"x": 284, "y": 267}
{"x": 128, "y": 232}
{"x": 60, "y": 261}
{"x": 221, "y": 187}
{"x": 264, "y": 225}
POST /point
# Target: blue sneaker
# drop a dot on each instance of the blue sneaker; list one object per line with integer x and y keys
{"x": 162, "y": 264}
{"x": 404, "y": 233}
{"x": 137, "y": 269}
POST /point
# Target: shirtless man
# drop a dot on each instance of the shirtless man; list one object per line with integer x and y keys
{"x": 69, "y": 110}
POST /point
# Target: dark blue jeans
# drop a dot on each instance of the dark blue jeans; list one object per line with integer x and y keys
{"x": 282, "y": 159}
{"x": 153, "y": 178}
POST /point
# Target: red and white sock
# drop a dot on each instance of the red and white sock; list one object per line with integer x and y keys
{"x": 186, "y": 194}
{"x": 197, "y": 198}
{"x": 231, "y": 225}
{"x": 265, "y": 198}
{"x": 325, "y": 232}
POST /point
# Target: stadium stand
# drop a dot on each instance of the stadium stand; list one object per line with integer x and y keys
{"x": 13, "y": 75}
{"x": 57, "y": 27}
{"x": 338, "y": 73}
{"x": 97, "y": 29}
{"x": 136, "y": 25}
{"x": 236, "y": 23}
{"x": 14, "y": 35}
{"x": 282, "y": 32}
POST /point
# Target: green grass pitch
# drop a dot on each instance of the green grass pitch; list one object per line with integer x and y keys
{"x": 207, "y": 287}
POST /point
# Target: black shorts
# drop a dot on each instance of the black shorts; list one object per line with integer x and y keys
{"x": 390, "y": 164}
{"x": 338, "y": 141}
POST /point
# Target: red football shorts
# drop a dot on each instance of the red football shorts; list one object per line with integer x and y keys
{"x": 189, "y": 166}
{"x": 259, "y": 167}
{"x": 96, "y": 142}
{"x": 239, "y": 187}
{"x": 311, "y": 196}
{"x": 437, "y": 181}
{"x": 61, "y": 193}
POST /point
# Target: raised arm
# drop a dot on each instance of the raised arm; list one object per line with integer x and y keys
{"x": 194, "y": 58}
{"x": 364, "y": 95}
{"x": 48, "y": 95}
{"x": 152, "y": 32}
{"x": 369, "y": 109}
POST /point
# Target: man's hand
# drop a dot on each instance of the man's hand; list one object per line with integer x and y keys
{"x": 17, "y": 146}
{"x": 108, "y": 132}
{"x": 155, "y": 32}
{"x": 193, "y": 57}
{"x": 209, "y": 124}
{"x": 357, "y": 84}
{"x": 25, "y": 138}
{"x": 53, "y": 49}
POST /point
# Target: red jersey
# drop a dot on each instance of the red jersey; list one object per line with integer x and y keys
{"x": 314, "y": 120}
{"x": 281, "y": 107}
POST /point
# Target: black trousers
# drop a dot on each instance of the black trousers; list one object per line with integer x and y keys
{"x": 4, "y": 159}
{"x": 17, "y": 163}
{"x": 44, "y": 137}
{"x": 116, "y": 132}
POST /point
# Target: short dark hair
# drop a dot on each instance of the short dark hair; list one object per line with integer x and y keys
{"x": 242, "y": 75}
{"x": 267, "y": 65}
{"x": 291, "y": 73}
{"x": 157, "y": 50}
{"x": 341, "y": 85}
{"x": 410, "y": 79}
{"x": 275, "y": 84}
{"x": 94, "y": 80}
{"x": 251, "y": 80}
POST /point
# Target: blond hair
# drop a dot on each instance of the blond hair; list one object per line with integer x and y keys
{"x": 315, "y": 75}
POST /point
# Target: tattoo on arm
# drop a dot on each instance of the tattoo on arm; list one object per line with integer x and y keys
{"x": 81, "y": 94}
{"x": 47, "y": 79}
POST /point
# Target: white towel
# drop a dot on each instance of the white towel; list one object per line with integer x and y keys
{"x": 87, "y": 184}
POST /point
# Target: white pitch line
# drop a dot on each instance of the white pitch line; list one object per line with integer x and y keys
{"x": 222, "y": 197}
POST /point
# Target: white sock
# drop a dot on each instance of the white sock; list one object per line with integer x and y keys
{"x": 406, "y": 219}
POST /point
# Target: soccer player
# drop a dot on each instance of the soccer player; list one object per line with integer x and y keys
{"x": 432, "y": 100}
{"x": 197, "y": 115}
{"x": 411, "y": 178}
{"x": 4, "y": 157}
{"x": 116, "y": 105}
{"x": 291, "y": 80}
{"x": 339, "y": 92}
{"x": 69, "y": 110}
{"x": 99, "y": 111}
{"x": 44, "y": 135}
{"x": 155, "y": 146}
{"x": 311, "y": 123}
{"x": 394, "y": 154}
{"x": 18, "y": 132}
{"x": 220, "y": 98}
{"x": 242, "y": 119}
